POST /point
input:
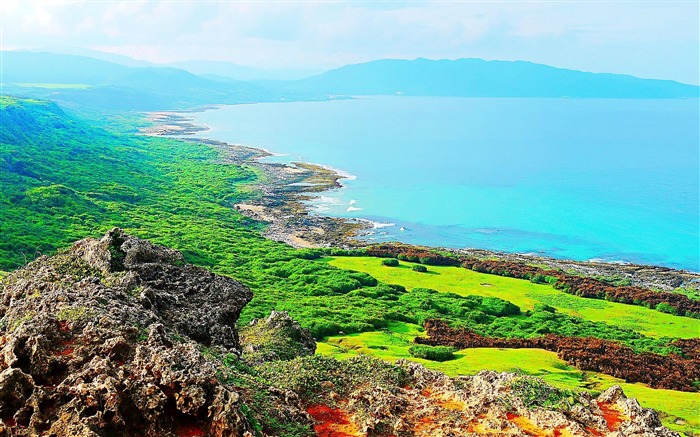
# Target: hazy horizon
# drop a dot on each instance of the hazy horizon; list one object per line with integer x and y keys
{"x": 655, "y": 40}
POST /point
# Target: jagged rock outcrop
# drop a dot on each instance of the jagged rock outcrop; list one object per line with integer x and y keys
{"x": 414, "y": 401}
{"x": 119, "y": 337}
{"x": 277, "y": 337}
{"x": 106, "y": 337}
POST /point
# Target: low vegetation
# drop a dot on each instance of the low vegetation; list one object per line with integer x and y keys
{"x": 528, "y": 296}
{"x": 676, "y": 371}
{"x": 181, "y": 194}
{"x": 534, "y": 392}
{"x": 610, "y": 289}
{"x": 432, "y": 353}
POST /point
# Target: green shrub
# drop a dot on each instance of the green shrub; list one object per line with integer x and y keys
{"x": 432, "y": 353}
{"x": 390, "y": 262}
{"x": 545, "y": 307}
{"x": 534, "y": 393}
{"x": 419, "y": 268}
{"x": 666, "y": 308}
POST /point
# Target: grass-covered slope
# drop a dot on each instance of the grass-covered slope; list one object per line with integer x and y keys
{"x": 526, "y": 295}
{"x": 63, "y": 178}
{"x": 393, "y": 343}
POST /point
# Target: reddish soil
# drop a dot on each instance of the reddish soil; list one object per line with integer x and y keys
{"x": 67, "y": 348}
{"x": 423, "y": 425}
{"x": 64, "y": 352}
{"x": 190, "y": 430}
{"x": 331, "y": 422}
{"x": 63, "y": 326}
{"x": 612, "y": 415}
{"x": 609, "y": 357}
{"x": 572, "y": 284}
{"x": 594, "y": 432}
{"x": 526, "y": 425}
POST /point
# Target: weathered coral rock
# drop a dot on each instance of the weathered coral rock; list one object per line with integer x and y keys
{"x": 278, "y": 337}
{"x": 106, "y": 339}
{"x": 488, "y": 404}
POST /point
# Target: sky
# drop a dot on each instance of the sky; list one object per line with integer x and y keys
{"x": 651, "y": 39}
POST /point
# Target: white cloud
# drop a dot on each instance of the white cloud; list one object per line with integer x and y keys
{"x": 655, "y": 39}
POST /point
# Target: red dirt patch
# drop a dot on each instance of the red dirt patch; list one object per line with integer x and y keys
{"x": 612, "y": 415}
{"x": 526, "y": 425}
{"x": 190, "y": 430}
{"x": 593, "y": 432}
{"x": 64, "y": 352}
{"x": 67, "y": 348}
{"x": 332, "y": 422}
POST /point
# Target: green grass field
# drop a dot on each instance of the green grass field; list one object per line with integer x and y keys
{"x": 525, "y": 294}
{"x": 680, "y": 408}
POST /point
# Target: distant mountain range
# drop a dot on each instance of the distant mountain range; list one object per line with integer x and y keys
{"x": 216, "y": 70}
{"x": 82, "y": 81}
{"x": 226, "y": 71}
{"x": 480, "y": 78}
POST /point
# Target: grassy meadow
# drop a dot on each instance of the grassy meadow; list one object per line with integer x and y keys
{"x": 526, "y": 295}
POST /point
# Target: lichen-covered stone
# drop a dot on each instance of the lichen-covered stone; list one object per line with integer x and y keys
{"x": 88, "y": 344}
{"x": 277, "y": 337}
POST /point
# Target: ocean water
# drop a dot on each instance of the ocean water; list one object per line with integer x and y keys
{"x": 604, "y": 179}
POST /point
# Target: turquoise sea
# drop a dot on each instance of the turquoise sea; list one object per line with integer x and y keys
{"x": 606, "y": 179}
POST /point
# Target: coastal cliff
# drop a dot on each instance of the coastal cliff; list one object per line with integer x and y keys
{"x": 120, "y": 337}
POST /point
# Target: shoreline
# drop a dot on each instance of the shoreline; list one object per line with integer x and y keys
{"x": 290, "y": 220}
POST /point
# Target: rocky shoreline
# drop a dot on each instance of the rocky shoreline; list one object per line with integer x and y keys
{"x": 288, "y": 188}
{"x": 285, "y": 193}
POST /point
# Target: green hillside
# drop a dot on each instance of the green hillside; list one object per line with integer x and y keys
{"x": 65, "y": 178}
{"x": 84, "y": 82}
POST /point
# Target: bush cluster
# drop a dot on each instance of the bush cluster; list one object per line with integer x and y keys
{"x": 433, "y": 353}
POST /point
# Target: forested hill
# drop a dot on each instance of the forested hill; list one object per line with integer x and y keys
{"x": 480, "y": 78}
{"x": 88, "y": 83}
